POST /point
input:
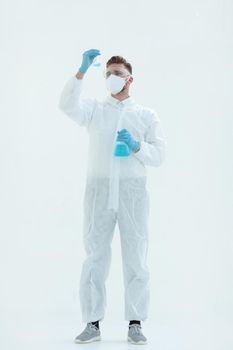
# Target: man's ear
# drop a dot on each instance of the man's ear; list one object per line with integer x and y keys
{"x": 131, "y": 79}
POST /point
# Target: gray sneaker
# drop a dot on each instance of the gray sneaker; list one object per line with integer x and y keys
{"x": 135, "y": 335}
{"x": 91, "y": 333}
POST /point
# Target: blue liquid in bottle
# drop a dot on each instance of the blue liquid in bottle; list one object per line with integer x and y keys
{"x": 121, "y": 150}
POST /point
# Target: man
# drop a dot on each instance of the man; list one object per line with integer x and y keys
{"x": 124, "y": 137}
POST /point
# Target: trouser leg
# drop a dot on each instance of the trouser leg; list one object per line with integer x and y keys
{"x": 99, "y": 224}
{"x": 133, "y": 225}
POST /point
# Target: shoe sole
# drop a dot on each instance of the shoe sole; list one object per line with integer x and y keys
{"x": 77, "y": 341}
{"x": 141, "y": 342}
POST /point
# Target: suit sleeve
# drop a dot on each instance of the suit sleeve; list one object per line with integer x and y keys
{"x": 79, "y": 109}
{"x": 152, "y": 148}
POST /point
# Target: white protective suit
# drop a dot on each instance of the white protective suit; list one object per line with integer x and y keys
{"x": 115, "y": 192}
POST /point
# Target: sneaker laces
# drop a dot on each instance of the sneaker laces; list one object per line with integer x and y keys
{"x": 136, "y": 328}
{"x": 91, "y": 326}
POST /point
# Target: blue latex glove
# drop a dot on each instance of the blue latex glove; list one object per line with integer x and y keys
{"x": 88, "y": 58}
{"x": 125, "y": 136}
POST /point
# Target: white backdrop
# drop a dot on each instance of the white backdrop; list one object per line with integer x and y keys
{"x": 181, "y": 53}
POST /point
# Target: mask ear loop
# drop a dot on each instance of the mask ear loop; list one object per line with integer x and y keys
{"x": 128, "y": 78}
{"x": 126, "y": 81}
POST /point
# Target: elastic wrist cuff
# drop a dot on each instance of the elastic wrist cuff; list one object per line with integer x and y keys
{"x": 82, "y": 70}
{"x": 138, "y": 146}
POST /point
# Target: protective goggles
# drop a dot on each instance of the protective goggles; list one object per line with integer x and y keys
{"x": 120, "y": 72}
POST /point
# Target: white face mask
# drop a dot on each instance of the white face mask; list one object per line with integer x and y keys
{"x": 115, "y": 84}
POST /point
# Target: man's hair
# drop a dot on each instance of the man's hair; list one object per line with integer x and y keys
{"x": 119, "y": 59}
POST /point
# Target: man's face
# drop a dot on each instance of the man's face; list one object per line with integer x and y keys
{"x": 119, "y": 70}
